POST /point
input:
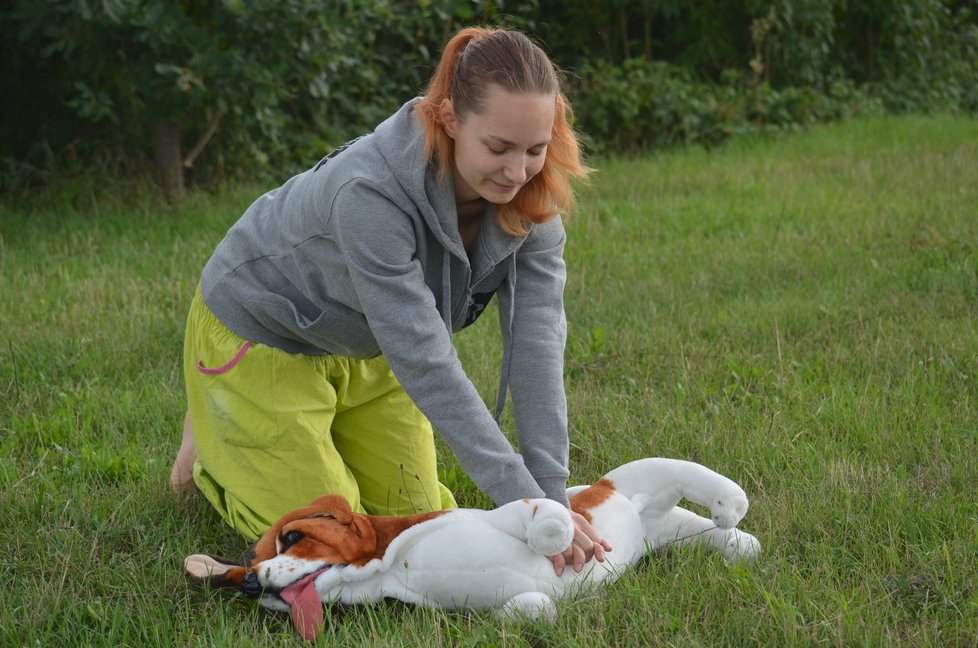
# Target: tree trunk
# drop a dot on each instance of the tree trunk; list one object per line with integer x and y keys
{"x": 647, "y": 30}
{"x": 623, "y": 26}
{"x": 169, "y": 164}
{"x": 603, "y": 27}
{"x": 869, "y": 40}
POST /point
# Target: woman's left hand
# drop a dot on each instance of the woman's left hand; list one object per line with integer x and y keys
{"x": 587, "y": 544}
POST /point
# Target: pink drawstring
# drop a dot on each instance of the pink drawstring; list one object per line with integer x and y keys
{"x": 230, "y": 365}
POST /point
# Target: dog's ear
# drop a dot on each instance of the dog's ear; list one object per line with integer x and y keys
{"x": 338, "y": 508}
{"x": 362, "y": 526}
{"x": 216, "y": 571}
{"x": 335, "y": 505}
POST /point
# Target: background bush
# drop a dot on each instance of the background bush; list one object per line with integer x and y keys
{"x": 121, "y": 87}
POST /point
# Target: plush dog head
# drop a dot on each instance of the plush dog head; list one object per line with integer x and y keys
{"x": 298, "y": 549}
{"x": 289, "y": 557}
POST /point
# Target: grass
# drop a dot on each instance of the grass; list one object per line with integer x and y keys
{"x": 797, "y": 314}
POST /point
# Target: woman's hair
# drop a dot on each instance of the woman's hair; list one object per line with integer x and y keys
{"x": 475, "y": 58}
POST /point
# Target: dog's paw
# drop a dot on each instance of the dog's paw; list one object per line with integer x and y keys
{"x": 529, "y": 605}
{"x": 741, "y": 547}
{"x": 728, "y": 509}
{"x": 551, "y": 529}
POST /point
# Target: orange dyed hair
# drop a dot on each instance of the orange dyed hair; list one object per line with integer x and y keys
{"x": 475, "y": 58}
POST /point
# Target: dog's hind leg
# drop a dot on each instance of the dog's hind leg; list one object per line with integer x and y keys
{"x": 660, "y": 484}
{"x": 529, "y": 605}
{"x": 680, "y": 527}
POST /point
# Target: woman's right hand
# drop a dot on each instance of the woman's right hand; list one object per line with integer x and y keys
{"x": 587, "y": 544}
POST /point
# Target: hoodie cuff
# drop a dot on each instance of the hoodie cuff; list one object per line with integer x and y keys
{"x": 555, "y": 488}
{"x": 503, "y": 492}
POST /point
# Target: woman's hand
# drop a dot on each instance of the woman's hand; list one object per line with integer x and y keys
{"x": 587, "y": 544}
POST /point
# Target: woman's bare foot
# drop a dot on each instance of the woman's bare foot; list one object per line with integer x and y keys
{"x": 182, "y": 475}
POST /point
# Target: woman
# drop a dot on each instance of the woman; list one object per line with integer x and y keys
{"x": 319, "y": 346}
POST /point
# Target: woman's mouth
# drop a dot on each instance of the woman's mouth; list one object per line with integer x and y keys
{"x": 505, "y": 188}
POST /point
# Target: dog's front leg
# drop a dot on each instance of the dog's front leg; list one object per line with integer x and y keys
{"x": 543, "y": 524}
{"x": 218, "y": 572}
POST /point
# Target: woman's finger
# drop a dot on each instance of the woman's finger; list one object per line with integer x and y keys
{"x": 559, "y": 563}
{"x": 579, "y": 557}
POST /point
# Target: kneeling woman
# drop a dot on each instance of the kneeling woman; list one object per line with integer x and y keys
{"x": 319, "y": 351}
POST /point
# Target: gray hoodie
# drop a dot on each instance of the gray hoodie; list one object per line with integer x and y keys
{"x": 361, "y": 256}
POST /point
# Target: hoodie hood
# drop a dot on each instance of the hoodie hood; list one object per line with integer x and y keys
{"x": 400, "y": 141}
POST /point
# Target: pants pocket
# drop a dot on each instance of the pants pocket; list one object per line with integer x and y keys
{"x": 237, "y": 387}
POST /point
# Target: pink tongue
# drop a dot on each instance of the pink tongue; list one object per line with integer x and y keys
{"x": 307, "y": 609}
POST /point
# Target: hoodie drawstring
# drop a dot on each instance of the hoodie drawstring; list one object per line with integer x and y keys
{"x": 507, "y": 324}
{"x": 507, "y": 341}
{"x": 446, "y": 290}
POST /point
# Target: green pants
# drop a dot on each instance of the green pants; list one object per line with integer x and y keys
{"x": 275, "y": 430}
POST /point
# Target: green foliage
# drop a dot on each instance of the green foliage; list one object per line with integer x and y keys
{"x": 802, "y": 48}
{"x": 808, "y": 42}
{"x": 286, "y": 81}
{"x": 292, "y": 78}
{"x": 641, "y": 104}
{"x": 931, "y": 58}
{"x": 803, "y": 62}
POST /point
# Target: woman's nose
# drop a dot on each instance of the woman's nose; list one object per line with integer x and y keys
{"x": 515, "y": 172}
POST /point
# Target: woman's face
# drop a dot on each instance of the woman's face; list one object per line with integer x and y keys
{"x": 500, "y": 149}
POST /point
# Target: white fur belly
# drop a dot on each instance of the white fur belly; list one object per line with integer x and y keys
{"x": 618, "y": 522}
{"x": 479, "y": 566}
{"x": 456, "y": 568}
{"x": 481, "y": 559}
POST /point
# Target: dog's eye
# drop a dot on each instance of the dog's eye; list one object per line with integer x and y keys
{"x": 289, "y": 539}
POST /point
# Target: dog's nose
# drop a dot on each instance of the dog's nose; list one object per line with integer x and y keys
{"x": 250, "y": 586}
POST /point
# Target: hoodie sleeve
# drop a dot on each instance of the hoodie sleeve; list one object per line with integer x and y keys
{"x": 535, "y": 331}
{"x": 378, "y": 241}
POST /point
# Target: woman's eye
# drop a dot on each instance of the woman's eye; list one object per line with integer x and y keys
{"x": 496, "y": 151}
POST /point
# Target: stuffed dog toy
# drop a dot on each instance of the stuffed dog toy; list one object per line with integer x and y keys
{"x": 475, "y": 559}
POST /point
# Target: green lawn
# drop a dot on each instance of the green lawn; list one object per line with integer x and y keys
{"x": 800, "y": 315}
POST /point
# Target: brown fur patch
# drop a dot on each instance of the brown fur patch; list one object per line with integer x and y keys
{"x": 388, "y": 527}
{"x": 592, "y": 497}
{"x": 334, "y": 534}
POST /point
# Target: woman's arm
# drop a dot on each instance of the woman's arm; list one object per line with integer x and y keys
{"x": 379, "y": 242}
{"x": 537, "y": 335}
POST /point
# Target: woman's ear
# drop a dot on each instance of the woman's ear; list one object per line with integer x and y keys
{"x": 448, "y": 118}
